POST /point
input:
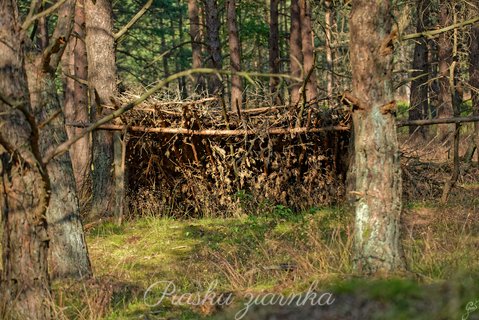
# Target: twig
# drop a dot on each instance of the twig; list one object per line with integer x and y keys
{"x": 28, "y": 22}
{"x": 432, "y": 33}
{"x": 133, "y": 20}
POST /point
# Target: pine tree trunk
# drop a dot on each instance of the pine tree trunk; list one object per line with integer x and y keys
{"x": 419, "y": 104}
{"x": 214, "y": 44}
{"x": 75, "y": 105}
{"x": 193, "y": 15}
{"x": 445, "y": 107}
{"x": 236, "y": 99}
{"x": 68, "y": 253}
{"x": 295, "y": 51}
{"x": 274, "y": 55}
{"x": 100, "y": 46}
{"x": 377, "y": 166}
{"x": 474, "y": 80}
{"x": 24, "y": 186}
{"x": 308, "y": 50}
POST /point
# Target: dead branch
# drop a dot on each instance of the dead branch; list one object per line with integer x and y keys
{"x": 133, "y": 20}
{"x": 433, "y": 33}
{"x": 28, "y": 22}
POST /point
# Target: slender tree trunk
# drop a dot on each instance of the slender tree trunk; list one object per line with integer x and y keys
{"x": 328, "y": 17}
{"x": 445, "y": 108}
{"x": 274, "y": 55}
{"x": 474, "y": 80}
{"x": 193, "y": 14}
{"x": 214, "y": 44}
{"x": 68, "y": 253}
{"x": 166, "y": 69}
{"x": 419, "y": 104}
{"x": 24, "y": 185}
{"x": 75, "y": 105}
{"x": 181, "y": 81}
{"x": 377, "y": 167}
{"x": 236, "y": 99}
{"x": 295, "y": 51}
{"x": 308, "y": 50}
{"x": 100, "y": 46}
{"x": 42, "y": 38}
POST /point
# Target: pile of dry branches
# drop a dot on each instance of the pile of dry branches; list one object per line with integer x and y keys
{"x": 195, "y": 158}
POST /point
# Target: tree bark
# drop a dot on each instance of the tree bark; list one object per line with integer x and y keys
{"x": 419, "y": 104}
{"x": 328, "y": 17}
{"x": 274, "y": 55}
{"x": 100, "y": 45}
{"x": 236, "y": 99}
{"x": 445, "y": 108}
{"x": 166, "y": 69}
{"x": 474, "y": 81}
{"x": 193, "y": 15}
{"x": 75, "y": 103}
{"x": 24, "y": 185}
{"x": 377, "y": 168}
{"x": 214, "y": 44}
{"x": 295, "y": 51}
{"x": 68, "y": 253}
{"x": 308, "y": 50}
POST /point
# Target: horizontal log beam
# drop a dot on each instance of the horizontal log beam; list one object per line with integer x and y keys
{"x": 213, "y": 132}
{"x": 429, "y": 122}
{"x": 271, "y": 131}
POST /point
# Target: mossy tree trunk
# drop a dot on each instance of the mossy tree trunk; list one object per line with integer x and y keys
{"x": 68, "y": 255}
{"x": 24, "y": 185}
{"x": 377, "y": 168}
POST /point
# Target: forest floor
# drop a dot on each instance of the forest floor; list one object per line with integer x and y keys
{"x": 150, "y": 266}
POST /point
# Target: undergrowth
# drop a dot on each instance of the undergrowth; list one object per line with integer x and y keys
{"x": 273, "y": 249}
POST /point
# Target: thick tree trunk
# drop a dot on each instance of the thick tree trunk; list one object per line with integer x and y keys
{"x": 474, "y": 80}
{"x": 236, "y": 99}
{"x": 75, "y": 106}
{"x": 377, "y": 167}
{"x": 419, "y": 104}
{"x": 295, "y": 51}
{"x": 193, "y": 15}
{"x": 274, "y": 55}
{"x": 100, "y": 45}
{"x": 328, "y": 17}
{"x": 308, "y": 50}
{"x": 214, "y": 44}
{"x": 68, "y": 253}
{"x": 24, "y": 185}
{"x": 445, "y": 108}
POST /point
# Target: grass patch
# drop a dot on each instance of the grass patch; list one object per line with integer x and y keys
{"x": 281, "y": 251}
